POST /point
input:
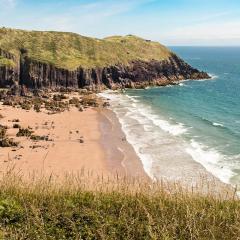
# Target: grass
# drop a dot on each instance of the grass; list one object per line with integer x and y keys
{"x": 6, "y": 62}
{"x": 83, "y": 208}
{"x": 69, "y": 50}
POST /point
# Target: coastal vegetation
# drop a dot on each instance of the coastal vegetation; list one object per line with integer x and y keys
{"x": 70, "y": 51}
{"x": 6, "y": 62}
{"x": 44, "y": 59}
{"x": 83, "y": 208}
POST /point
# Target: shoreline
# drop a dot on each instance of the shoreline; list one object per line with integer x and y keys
{"x": 128, "y": 162}
{"x": 184, "y": 170}
{"x": 92, "y": 143}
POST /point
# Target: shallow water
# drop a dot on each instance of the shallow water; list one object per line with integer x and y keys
{"x": 197, "y": 120}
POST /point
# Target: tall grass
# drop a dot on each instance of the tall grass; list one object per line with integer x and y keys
{"x": 82, "y": 207}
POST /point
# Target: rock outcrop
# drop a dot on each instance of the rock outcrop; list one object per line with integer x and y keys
{"x": 137, "y": 74}
{"x": 9, "y": 74}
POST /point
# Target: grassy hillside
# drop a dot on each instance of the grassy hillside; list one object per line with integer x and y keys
{"x": 113, "y": 210}
{"x": 69, "y": 50}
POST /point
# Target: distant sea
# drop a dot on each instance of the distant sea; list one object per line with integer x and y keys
{"x": 202, "y": 118}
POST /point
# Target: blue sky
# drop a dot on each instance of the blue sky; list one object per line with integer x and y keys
{"x": 172, "y": 22}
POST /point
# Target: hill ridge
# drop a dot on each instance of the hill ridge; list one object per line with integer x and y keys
{"x": 42, "y": 59}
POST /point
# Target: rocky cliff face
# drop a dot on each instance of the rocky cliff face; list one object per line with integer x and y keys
{"x": 137, "y": 74}
{"x": 8, "y": 75}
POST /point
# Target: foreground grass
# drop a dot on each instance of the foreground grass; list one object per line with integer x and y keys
{"x": 119, "y": 209}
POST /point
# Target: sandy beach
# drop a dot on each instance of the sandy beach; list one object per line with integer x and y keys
{"x": 90, "y": 141}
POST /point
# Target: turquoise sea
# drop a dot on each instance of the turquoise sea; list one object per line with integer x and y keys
{"x": 195, "y": 119}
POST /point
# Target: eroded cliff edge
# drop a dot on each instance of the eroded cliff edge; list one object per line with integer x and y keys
{"x": 136, "y": 74}
{"x": 39, "y": 60}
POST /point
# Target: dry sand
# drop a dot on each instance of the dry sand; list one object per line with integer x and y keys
{"x": 87, "y": 143}
{"x": 104, "y": 150}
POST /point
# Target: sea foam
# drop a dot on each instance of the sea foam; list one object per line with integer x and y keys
{"x": 211, "y": 159}
{"x": 143, "y": 127}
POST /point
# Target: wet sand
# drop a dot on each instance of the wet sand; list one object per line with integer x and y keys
{"x": 120, "y": 156}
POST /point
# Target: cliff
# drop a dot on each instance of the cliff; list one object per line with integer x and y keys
{"x": 54, "y": 59}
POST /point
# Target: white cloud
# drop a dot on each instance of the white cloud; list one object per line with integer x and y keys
{"x": 206, "y": 34}
{"x": 85, "y": 18}
{"x": 101, "y": 18}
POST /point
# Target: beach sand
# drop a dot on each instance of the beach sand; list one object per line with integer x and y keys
{"x": 89, "y": 143}
{"x": 103, "y": 151}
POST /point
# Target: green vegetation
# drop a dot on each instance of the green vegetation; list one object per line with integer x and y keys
{"x": 6, "y": 62}
{"x": 69, "y": 50}
{"x": 118, "y": 209}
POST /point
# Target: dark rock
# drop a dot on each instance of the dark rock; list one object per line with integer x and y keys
{"x": 81, "y": 109}
{"x": 106, "y": 104}
{"x": 137, "y": 74}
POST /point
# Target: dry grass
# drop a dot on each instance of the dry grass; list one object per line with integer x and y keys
{"x": 83, "y": 207}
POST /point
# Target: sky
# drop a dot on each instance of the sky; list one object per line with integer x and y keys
{"x": 171, "y": 22}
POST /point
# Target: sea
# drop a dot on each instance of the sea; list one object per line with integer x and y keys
{"x": 197, "y": 119}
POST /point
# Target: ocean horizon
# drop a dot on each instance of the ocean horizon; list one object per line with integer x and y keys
{"x": 197, "y": 120}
